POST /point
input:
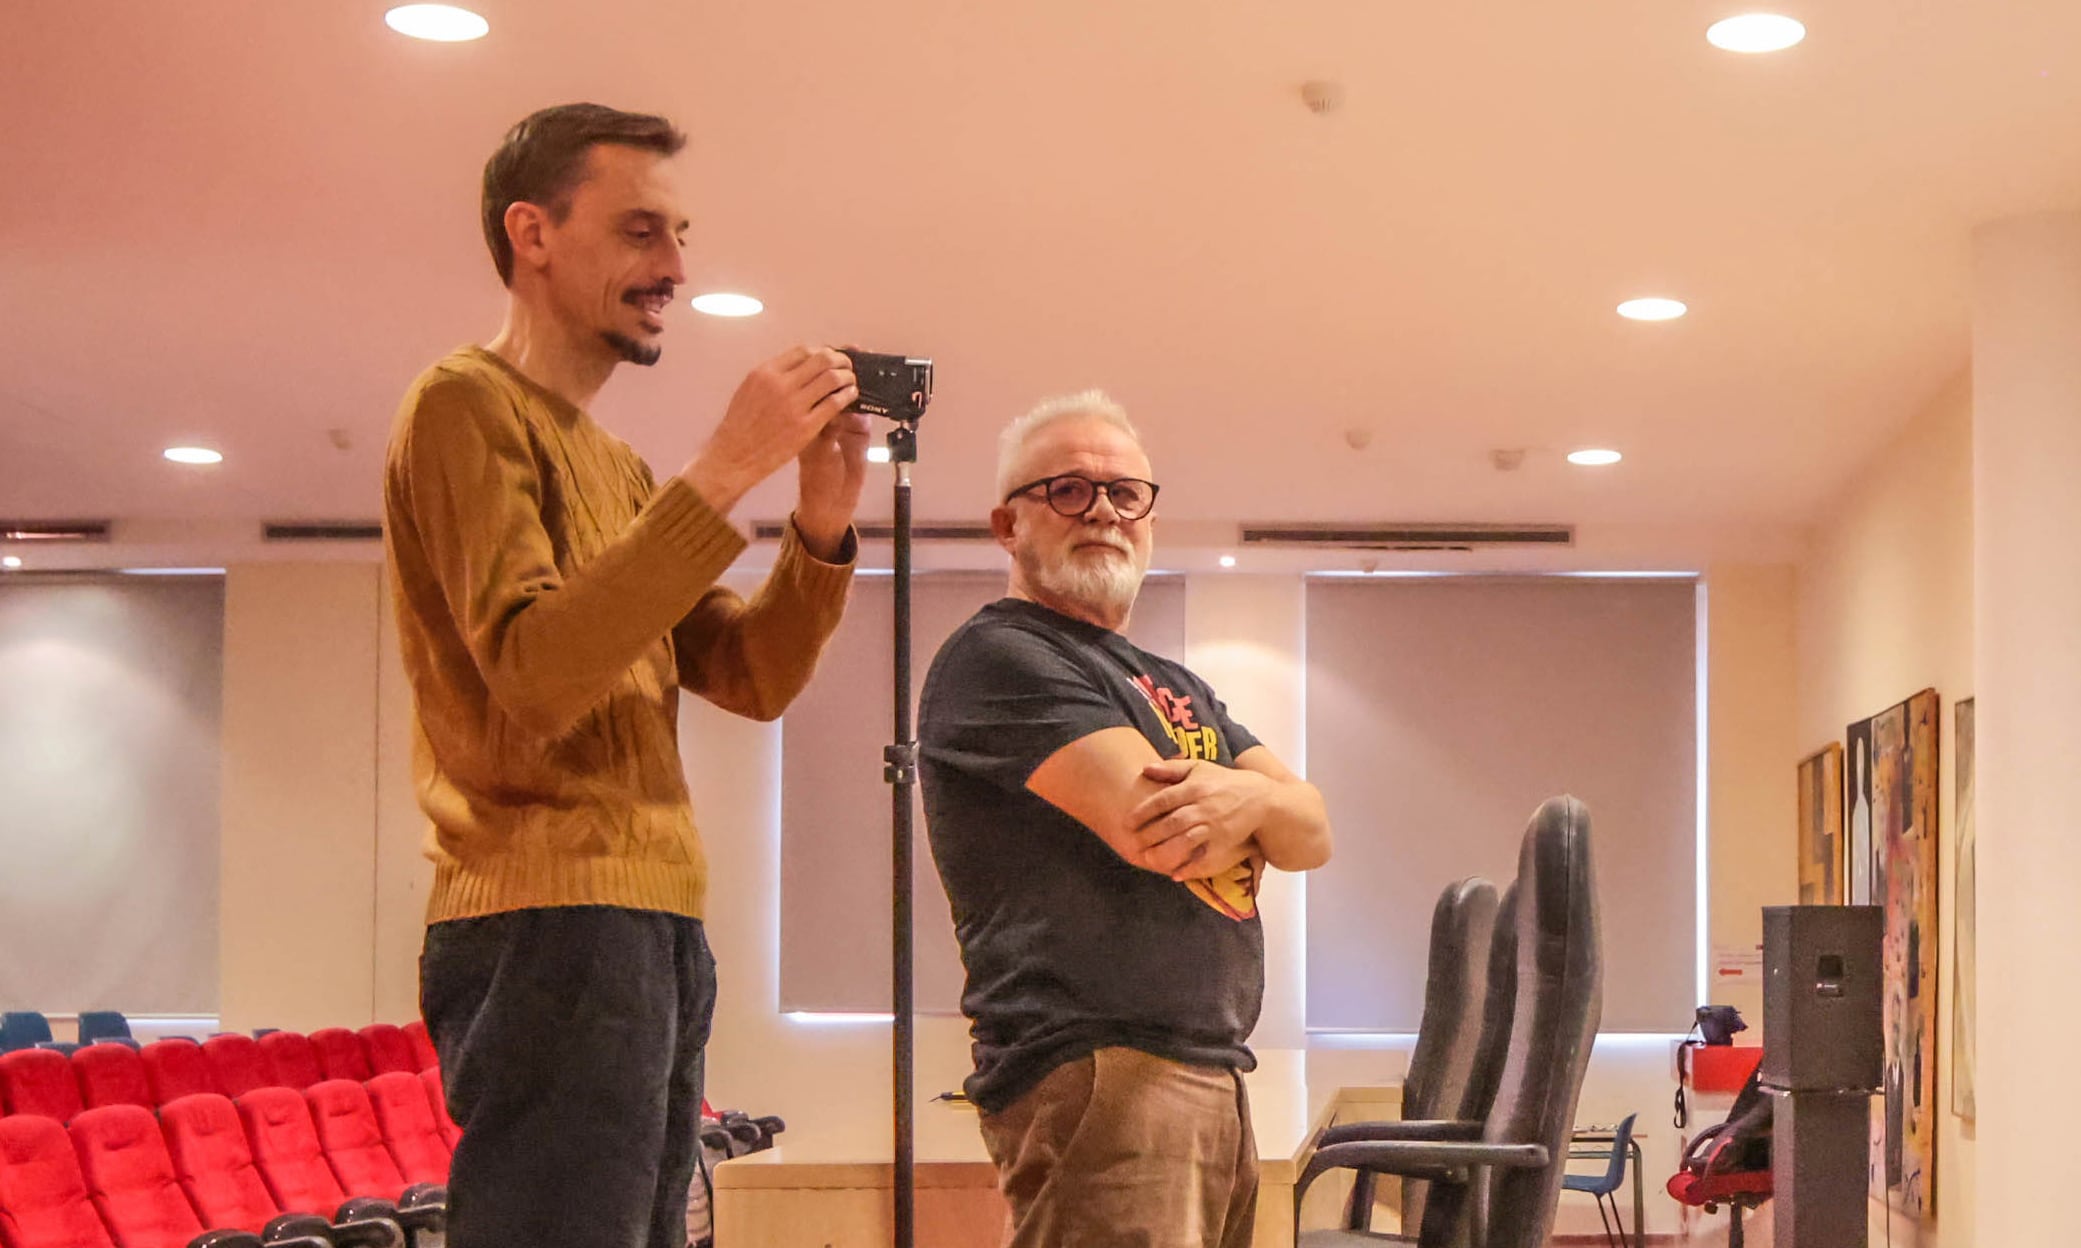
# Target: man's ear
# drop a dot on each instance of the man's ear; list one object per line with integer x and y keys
{"x": 1002, "y": 526}
{"x": 527, "y": 227}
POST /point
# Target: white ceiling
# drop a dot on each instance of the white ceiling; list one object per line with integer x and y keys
{"x": 248, "y": 223}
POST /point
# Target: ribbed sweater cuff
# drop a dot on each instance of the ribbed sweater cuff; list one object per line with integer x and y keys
{"x": 502, "y": 883}
{"x": 694, "y": 545}
{"x": 810, "y": 576}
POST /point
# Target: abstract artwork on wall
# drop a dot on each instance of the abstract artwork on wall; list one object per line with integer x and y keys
{"x": 1821, "y": 828}
{"x": 1901, "y": 800}
{"x": 1857, "y": 854}
{"x": 1964, "y": 966}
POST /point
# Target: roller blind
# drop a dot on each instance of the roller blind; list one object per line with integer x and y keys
{"x": 835, "y": 893}
{"x": 110, "y": 698}
{"x": 1439, "y": 714}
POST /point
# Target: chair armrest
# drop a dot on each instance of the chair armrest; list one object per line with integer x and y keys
{"x": 1437, "y": 1161}
{"x": 1421, "y": 1129}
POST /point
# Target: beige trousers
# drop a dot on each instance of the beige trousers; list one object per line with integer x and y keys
{"x": 1124, "y": 1150}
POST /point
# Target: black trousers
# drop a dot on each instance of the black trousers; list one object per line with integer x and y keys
{"x": 570, "y": 1043}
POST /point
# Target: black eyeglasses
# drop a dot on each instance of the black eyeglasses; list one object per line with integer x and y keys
{"x": 1074, "y": 496}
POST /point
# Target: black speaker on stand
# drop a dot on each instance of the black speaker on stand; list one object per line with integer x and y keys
{"x": 1823, "y": 1058}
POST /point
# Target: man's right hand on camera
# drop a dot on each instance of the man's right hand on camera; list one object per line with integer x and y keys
{"x": 778, "y": 409}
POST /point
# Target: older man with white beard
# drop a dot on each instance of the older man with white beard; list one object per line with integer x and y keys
{"x": 1101, "y": 825}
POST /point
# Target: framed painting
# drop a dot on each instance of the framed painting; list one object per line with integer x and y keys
{"x": 1821, "y": 828}
{"x": 1965, "y": 961}
{"x": 1901, "y": 800}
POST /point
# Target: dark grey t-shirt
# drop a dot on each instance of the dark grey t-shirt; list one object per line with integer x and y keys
{"x": 1068, "y": 948}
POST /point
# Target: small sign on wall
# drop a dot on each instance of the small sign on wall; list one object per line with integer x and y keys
{"x": 1738, "y": 964}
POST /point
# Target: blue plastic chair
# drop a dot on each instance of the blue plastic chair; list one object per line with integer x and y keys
{"x": 1605, "y": 1186}
{"x": 23, "y": 1029}
{"x": 96, "y": 1026}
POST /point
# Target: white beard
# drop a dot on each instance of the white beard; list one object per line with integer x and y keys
{"x": 1104, "y": 586}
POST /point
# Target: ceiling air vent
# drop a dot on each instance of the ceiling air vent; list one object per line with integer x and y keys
{"x": 325, "y": 531}
{"x": 923, "y": 531}
{"x": 1408, "y": 537}
{"x": 54, "y": 530}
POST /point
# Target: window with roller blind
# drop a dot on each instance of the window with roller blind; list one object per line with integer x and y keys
{"x": 110, "y": 708}
{"x": 1440, "y": 713}
{"x": 835, "y": 893}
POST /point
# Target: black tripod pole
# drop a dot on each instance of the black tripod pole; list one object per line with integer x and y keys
{"x": 901, "y": 771}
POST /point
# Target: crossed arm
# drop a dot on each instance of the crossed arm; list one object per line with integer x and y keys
{"x": 1188, "y": 819}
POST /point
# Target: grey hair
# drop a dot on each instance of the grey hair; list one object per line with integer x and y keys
{"x": 1096, "y": 404}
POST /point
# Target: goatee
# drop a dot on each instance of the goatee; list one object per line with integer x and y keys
{"x": 644, "y": 353}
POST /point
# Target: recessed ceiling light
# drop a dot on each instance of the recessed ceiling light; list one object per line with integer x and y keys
{"x": 877, "y": 454}
{"x": 1755, "y": 32}
{"x": 194, "y": 455}
{"x": 441, "y": 23}
{"x": 11, "y": 562}
{"x": 1228, "y": 561}
{"x": 1594, "y": 458}
{"x": 1652, "y": 309}
{"x": 723, "y": 303}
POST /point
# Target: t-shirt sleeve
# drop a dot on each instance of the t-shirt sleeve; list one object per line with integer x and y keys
{"x": 1238, "y": 737}
{"x": 1001, "y": 700}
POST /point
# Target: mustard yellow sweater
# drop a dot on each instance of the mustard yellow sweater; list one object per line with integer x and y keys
{"x": 552, "y": 600}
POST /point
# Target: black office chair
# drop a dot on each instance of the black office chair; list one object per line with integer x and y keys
{"x": 97, "y": 1026}
{"x": 1496, "y": 1182}
{"x": 1461, "y": 926}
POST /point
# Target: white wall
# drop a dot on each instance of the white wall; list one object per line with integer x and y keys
{"x": 1886, "y": 610}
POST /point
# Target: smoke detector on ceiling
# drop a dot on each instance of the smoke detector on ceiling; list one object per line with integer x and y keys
{"x": 1322, "y": 95}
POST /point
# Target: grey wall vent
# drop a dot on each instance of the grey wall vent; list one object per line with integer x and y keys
{"x": 54, "y": 530}
{"x": 923, "y": 531}
{"x": 1409, "y": 537}
{"x": 325, "y": 531}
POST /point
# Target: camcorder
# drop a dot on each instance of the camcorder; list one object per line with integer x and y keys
{"x": 894, "y": 386}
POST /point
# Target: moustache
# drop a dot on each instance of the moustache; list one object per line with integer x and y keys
{"x": 663, "y": 290}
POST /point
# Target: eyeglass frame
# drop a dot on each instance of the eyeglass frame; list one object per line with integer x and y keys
{"x": 1045, "y": 484}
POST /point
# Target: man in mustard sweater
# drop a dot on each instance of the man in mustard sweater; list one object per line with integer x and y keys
{"x": 552, "y": 601}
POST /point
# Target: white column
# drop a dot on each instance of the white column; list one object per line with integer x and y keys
{"x": 1244, "y": 637}
{"x": 2027, "y": 625}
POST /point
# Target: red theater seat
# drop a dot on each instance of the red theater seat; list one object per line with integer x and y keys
{"x": 237, "y": 1063}
{"x": 409, "y": 1127}
{"x": 43, "y": 1196}
{"x": 176, "y": 1069}
{"x": 123, "y": 1158}
{"x": 39, "y": 1082}
{"x": 353, "y": 1143}
{"x": 286, "y": 1152}
{"x": 112, "y": 1074}
{"x": 341, "y": 1054}
{"x": 422, "y": 1045}
{"x": 388, "y": 1050}
{"x": 292, "y": 1059}
{"x": 214, "y": 1163}
{"x": 437, "y": 1098}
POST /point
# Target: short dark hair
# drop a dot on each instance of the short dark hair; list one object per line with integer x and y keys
{"x": 542, "y": 160}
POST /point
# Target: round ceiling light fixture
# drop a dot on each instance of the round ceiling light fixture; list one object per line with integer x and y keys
{"x": 1755, "y": 32}
{"x": 1228, "y": 561}
{"x": 11, "y": 562}
{"x": 437, "y": 23}
{"x": 1652, "y": 309}
{"x": 1594, "y": 458}
{"x": 724, "y": 303}
{"x": 194, "y": 455}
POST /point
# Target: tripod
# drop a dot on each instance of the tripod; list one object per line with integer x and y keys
{"x": 900, "y": 770}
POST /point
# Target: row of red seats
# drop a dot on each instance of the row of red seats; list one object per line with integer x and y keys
{"x": 121, "y": 1177}
{"x": 47, "y": 1083}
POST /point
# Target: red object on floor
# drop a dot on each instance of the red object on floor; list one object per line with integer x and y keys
{"x": 1722, "y": 1067}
